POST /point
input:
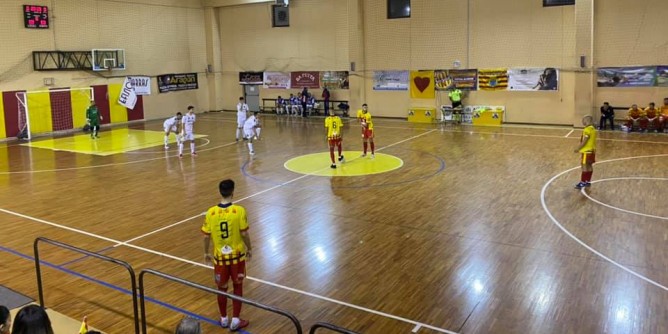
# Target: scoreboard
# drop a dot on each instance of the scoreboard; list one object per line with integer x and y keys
{"x": 36, "y": 16}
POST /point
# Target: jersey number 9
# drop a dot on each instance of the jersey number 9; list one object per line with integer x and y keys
{"x": 224, "y": 233}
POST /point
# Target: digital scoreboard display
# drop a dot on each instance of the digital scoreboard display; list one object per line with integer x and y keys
{"x": 36, "y": 16}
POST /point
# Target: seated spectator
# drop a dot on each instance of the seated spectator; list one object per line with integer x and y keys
{"x": 633, "y": 118}
{"x": 344, "y": 107}
{"x": 607, "y": 114}
{"x": 295, "y": 105}
{"x": 311, "y": 104}
{"x": 663, "y": 118}
{"x": 32, "y": 319}
{"x": 280, "y": 105}
{"x": 5, "y": 320}
{"x": 651, "y": 119}
{"x": 188, "y": 325}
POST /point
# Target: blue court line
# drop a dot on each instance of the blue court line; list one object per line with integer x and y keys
{"x": 83, "y": 257}
{"x": 114, "y": 287}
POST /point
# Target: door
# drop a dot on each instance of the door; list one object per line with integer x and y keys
{"x": 252, "y": 95}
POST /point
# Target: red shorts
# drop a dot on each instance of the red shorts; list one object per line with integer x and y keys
{"x": 334, "y": 142}
{"x": 367, "y": 133}
{"x": 588, "y": 158}
{"x": 225, "y": 272}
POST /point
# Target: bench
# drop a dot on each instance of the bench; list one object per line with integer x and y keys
{"x": 269, "y": 105}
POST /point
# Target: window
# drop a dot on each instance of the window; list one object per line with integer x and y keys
{"x": 548, "y": 3}
{"x": 397, "y": 9}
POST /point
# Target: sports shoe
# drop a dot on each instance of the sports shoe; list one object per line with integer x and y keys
{"x": 342, "y": 159}
{"x": 166, "y": 147}
{"x": 373, "y": 155}
{"x": 252, "y": 152}
{"x": 180, "y": 156}
{"x": 587, "y": 184}
{"x": 333, "y": 166}
{"x": 224, "y": 322}
{"x": 581, "y": 185}
{"x": 239, "y": 325}
{"x": 193, "y": 154}
{"x": 363, "y": 155}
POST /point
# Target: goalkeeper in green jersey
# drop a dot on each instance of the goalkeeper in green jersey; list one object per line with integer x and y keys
{"x": 93, "y": 119}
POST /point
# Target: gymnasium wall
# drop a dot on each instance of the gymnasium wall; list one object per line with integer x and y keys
{"x": 316, "y": 40}
{"x": 159, "y": 37}
{"x": 479, "y": 34}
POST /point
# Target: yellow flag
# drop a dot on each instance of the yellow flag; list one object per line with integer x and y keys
{"x": 422, "y": 85}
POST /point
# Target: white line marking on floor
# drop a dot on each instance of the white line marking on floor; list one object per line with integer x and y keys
{"x": 582, "y": 243}
{"x": 194, "y": 263}
{"x": 566, "y": 136}
{"x": 618, "y": 208}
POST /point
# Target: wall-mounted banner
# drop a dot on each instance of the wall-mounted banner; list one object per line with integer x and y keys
{"x": 334, "y": 79}
{"x": 390, "y": 80}
{"x": 639, "y": 76}
{"x": 128, "y": 97}
{"x": 460, "y": 79}
{"x": 175, "y": 82}
{"x": 533, "y": 78}
{"x": 305, "y": 79}
{"x": 278, "y": 80}
{"x": 662, "y": 76}
{"x": 493, "y": 79}
{"x": 251, "y": 78}
{"x": 422, "y": 85}
{"x": 141, "y": 84}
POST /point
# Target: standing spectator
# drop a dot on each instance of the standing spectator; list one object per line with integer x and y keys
{"x": 663, "y": 118}
{"x": 607, "y": 114}
{"x": 325, "y": 97}
{"x": 32, "y": 319}
{"x": 242, "y": 114}
{"x": 651, "y": 117}
{"x": 304, "y": 101}
{"x": 5, "y": 320}
{"x": 227, "y": 225}
{"x": 633, "y": 118}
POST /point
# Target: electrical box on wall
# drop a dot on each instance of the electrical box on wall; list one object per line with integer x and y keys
{"x": 280, "y": 16}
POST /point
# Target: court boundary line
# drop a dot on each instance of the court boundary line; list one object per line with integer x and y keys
{"x": 582, "y": 243}
{"x": 258, "y": 280}
{"x": 569, "y": 133}
{"x": 621, "y": 209}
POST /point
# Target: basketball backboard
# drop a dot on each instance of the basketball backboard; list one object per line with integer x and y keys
{"x": 108, "y": 59}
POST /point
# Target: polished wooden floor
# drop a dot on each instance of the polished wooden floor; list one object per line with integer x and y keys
{"x": 480, "y": 231}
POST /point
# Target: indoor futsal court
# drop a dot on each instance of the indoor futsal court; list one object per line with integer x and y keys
{"x": 465, "y": 217}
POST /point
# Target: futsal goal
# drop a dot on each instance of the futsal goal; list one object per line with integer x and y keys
{"x": 46, "y": 112}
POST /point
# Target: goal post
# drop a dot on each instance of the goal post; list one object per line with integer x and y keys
{"x": 47, "y": 112}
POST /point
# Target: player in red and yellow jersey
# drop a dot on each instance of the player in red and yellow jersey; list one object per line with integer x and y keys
{"x": 651, "y": 119}
{"x": 587, "y": 149}
{"x": 334, "y": 126}
{"x": 367, "y": 130}
{"x": 663, "y": 118}
{"x": 634, "y": 117}
{"x": 226, "y": 224}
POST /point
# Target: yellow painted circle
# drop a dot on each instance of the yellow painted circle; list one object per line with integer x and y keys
{"x": 319, "y": 164}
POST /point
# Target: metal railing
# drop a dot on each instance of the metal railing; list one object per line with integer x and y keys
{"x": 142, "y": 298}
{"x": 330, "y": 327}
{"x": 40, "y": 289}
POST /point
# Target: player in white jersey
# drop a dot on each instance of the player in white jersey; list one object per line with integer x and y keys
{"x": 171, "y": 125}
{"x": 187, "y": 134}
{"x": 249, "y": 130}
{"x": 242, "y": 114}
